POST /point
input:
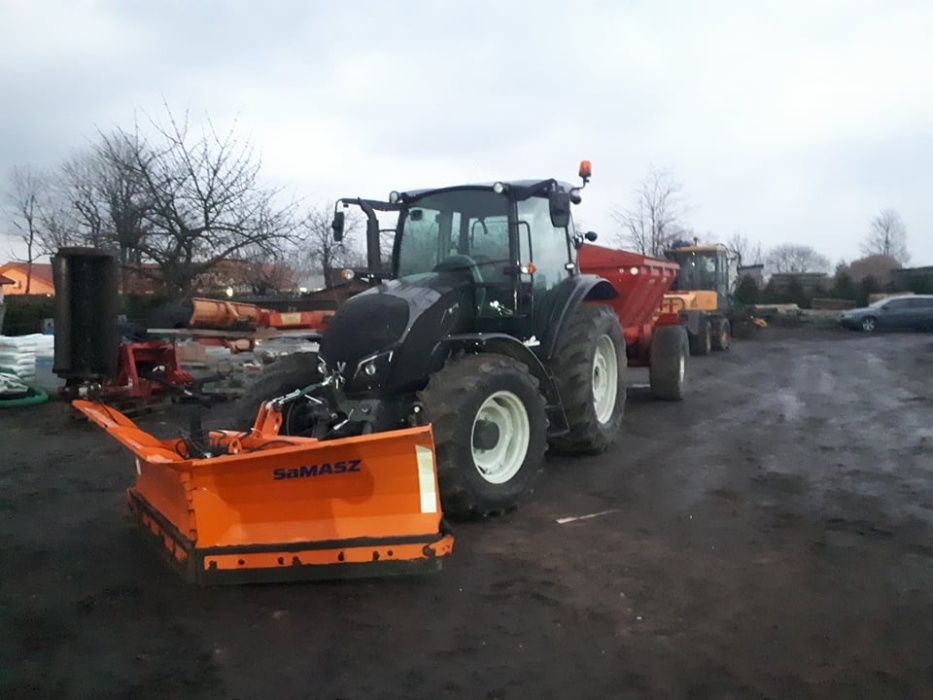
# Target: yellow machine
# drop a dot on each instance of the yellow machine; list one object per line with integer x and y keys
{"x": 703, "y": 294}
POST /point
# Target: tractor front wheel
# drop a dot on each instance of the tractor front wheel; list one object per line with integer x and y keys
{"x": 286, "y": 374}
{"x": 490, "y": 428}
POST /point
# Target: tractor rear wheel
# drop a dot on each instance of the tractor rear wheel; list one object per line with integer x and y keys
{"x": 668, "y": 370}
{"x": 490, "y": 429}
{"x": 702, "y": 342}
{"x": 590, "y": 373}
{"x": 722, "y": 333}
{"x": 277, "y": 379}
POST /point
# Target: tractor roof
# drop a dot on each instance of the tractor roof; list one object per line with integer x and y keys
{"x": 510, "y": 185}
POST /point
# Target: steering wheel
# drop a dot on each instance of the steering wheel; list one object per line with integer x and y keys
{"x": 465, "y": 262}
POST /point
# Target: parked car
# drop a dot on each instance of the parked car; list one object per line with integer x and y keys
{"x": 909, "y": 312}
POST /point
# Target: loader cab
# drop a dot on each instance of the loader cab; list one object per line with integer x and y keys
{"x": 705, "y": 268}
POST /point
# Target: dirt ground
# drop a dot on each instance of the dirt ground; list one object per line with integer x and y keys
{"x": 769, "y": 537}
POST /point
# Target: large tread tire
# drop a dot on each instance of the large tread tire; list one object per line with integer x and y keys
{"x": 721, "y": 333}
{"x": 573, "y": 370}
{"x": 668, "y": 370}
{"x": 450, "y": 402}
{"x": 286, "y": 374}
{"x": 702, "y": 342}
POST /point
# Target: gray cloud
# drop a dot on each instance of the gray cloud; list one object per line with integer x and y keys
{"x": 786, "y": 122}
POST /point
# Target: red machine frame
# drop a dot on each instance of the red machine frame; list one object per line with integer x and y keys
{"x": 137, "y": 360}
{"x": 641, "y": 282}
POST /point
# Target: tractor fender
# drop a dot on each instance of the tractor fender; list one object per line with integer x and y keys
{"x": 504, "y": 344}
{"x": 572, "y": 292}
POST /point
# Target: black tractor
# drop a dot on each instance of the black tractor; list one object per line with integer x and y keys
{"x": 482, "y": 325}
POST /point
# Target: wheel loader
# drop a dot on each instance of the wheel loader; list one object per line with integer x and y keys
{"x": 482, "y": 326}
{"x": 704, "y": 295}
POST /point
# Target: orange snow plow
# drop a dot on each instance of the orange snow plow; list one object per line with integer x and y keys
{"x": 258, "y": 506}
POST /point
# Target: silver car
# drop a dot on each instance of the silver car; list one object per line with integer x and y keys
{"x": 908, "y": 312}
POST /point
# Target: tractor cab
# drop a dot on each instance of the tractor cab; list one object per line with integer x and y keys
{"x": 511, "y": 243}
{"x": 705, "y": 268}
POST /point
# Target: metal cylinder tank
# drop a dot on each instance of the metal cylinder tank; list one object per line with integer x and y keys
{"x": 86, "y": 337}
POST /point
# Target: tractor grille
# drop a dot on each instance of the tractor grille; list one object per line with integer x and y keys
{"x": 364, "y": 325}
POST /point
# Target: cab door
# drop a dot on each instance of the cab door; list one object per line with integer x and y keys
{"x": 547, "y": 248}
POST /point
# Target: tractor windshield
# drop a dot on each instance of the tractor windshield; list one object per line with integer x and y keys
{"x": 456, "y": 229}
{"x": 697, "y": 271}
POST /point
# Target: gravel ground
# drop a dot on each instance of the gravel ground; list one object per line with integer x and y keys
{"x": 768, "y": 537}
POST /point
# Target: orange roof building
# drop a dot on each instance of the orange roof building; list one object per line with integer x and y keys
{"x": 40, "y": 281}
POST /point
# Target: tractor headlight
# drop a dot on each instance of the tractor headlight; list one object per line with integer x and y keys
{"x": 394, "y": 197}
{"x": 499, "y": 187}
{"x": 374, "y": 367}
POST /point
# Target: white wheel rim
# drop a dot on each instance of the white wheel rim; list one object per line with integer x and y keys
{"x": 605, "y": 378}
{"x": 500, "y": 463}
{"x": 868, "y": 324}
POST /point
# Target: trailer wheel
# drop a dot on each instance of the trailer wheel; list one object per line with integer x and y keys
{"x": 722, "y": 333}
{"x": 702, "y": 342}
{"x": 590, "y": 373}
{"x": 490, "y": 428}
{"x": 668, "y": 369}
{"x": 282, "y": 376}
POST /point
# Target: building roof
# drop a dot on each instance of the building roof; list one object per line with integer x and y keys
{"x": 41, "y": 272}
{"x": 927, "y": 270}
{"x": 804, "y": 275}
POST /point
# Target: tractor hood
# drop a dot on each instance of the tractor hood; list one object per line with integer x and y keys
{"x": 372, "y": 327}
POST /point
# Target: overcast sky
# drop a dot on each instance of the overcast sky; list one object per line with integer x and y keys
{"x": 787, "y": 121}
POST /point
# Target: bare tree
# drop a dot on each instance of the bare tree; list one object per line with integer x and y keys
{"x": 796, "y": 258}
{"x": 266, "y": 273}
{"x": 743, "y": 249}
{"x": 317, "y": 240}
{"x": 58, "y": 227}
{"x": 26, "y": 196}
{"x": 653, "y": 224}
{"x": 78, "y": 187}
{"x": 201, "y": 200}
{"x": 887, "y": 236}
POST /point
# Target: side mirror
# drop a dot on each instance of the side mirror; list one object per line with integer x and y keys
{"x": 337, "y": 225}
{"x": 559, "y": 206}
{"x": 590, "y": 236}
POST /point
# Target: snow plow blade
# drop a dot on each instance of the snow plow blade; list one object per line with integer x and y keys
{"x": 275, "y": 508}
